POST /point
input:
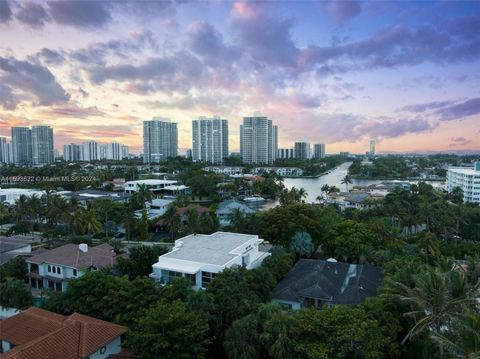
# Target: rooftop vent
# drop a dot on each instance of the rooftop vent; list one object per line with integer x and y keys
{"x": 83, "y": 247}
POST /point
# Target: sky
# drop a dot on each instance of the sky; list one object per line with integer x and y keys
{"x": 406, "y": 74}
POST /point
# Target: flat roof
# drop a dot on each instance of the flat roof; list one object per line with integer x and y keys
{"x": 213, "y": 249}
{"x": 12, "y": 243}
{"x": 152, "y": 181}
{"x": 464, "y": 170}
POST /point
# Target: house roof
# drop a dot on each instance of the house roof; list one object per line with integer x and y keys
{"x": 38, "y": 333}
{"x": 70, "y": 255}
{"x": 183, "y": 210}
{"x": 334, "y": 282}
{"x": 216, "y": 249}
{"x": 228, "y": 207}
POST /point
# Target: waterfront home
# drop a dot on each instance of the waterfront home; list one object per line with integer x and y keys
{"x": 226, "y": 209}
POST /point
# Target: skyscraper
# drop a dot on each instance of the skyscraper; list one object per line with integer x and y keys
{"x": 209, "y": 139}
{"x": 42, "y": 145}
{"x": 302, "y": 150}
{"x": 160, "y": 140}
{"x": 89, "y": 151}
{"x": 258, "y": 140}
{"x": 22, "y": 145}
{"x": 72, "y": 152}
{"x": 4, "y": 155}
{"x": 124, "y": 151}
{"x": 285, "y": 153}
{"x": 319, "y": 150}
{"x": 372, "y": 147}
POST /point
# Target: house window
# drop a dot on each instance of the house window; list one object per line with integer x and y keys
{"x": 49, "y": 268}
{"x": 191, "y": 277}
{"x": 59, "y": 270}
{"x": 75, "y": 272}
{"x": 51, "y": 285}
{"x": 54, "y": 269}
{"x": 207, "y": 277}
{"x": 58, "y": 287}
{"x": 173, "y": 275}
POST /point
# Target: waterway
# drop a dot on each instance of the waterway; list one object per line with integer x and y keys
{"x": 334, "y": 178}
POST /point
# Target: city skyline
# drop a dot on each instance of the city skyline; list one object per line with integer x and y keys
{"x": 341, "y": 73}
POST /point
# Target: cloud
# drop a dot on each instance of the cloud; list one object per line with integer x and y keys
{"x": 5, "y": 11}
{"x": 7, "y": 99}
{"x": 422, "y": 107}
{"x": 396, "y": 46}
{"x": 34, "y": 80}
{"x": 155, "y": 67}
{"x": 206, "y": 41}
{"x": 467, "y": 108}
{"x": 72, "y": 110}
{"x": 344, "y": 10}
{"x": 81, "y": 13}
{"x": 32, "y": 14}
{"x": 393, "y": 128}
{"x": 97, "y": 52}
{"x": 49, "y": 57}
{"x": 267, "y": 39}
{"x": 458, "y": 141}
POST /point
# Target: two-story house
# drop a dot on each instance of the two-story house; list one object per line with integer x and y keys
{"x": 201, "y": 257}
{"x": 52, "y": 269}
{"x": 37, "y": 333}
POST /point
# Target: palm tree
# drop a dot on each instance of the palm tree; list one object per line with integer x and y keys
{"x": 91, "y": 224}
{"x": 172, "y": 221}
{"x": 346, "y": 181}
{"x": 436, "y": 298}
{"x": 142, "y": 196}
{"x": 463, "y": 340}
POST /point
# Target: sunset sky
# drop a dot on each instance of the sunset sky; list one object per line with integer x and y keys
{"x": 337, "y": 72}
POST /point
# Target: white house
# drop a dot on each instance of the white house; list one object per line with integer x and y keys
{"x": 225, "y": 170}
{"x": 468, "y": 179}
{"x": 157, "y": 208}
{"x": 157, "y": 186}
{"x": 52, "y": 269}
{"x": 11, "y": 195}
{"x": 200, "y": 257}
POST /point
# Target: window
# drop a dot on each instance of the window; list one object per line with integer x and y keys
{"x": 173, "y": 275}
{"x": 54, "y": 269}
{"x": 75, "y": 272}
{"x": 58, "y": 287}
{"x": 191, "y": 277}
{"x": 207, "y": 277}
{"x": 59, "y": 270}
{"x": 49, "y": 268}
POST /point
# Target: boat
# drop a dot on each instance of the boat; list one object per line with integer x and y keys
{"x": 254, "y": 198}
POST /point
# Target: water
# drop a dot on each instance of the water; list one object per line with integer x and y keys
{"x": 313, "y": 185}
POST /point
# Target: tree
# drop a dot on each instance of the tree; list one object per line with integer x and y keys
{"x": 139, "y": 263}
{"x": 346, "y": 181}
{"x": 169, "y": 330}
{"x": 352, "y": 241}
{"x": 142, "y": 196}
{"x": 15, "y": 268}
{"x": 338, "y": 332}
{"x": 14, "y": 293}
{"x": 435, "y": 299}
{"x": 302, "y": 244}
{"x": 143, "y": 226}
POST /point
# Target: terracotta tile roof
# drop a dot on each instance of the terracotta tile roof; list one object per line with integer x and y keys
{"x": 42, "y": 334}
{"x": 71, "y": 256}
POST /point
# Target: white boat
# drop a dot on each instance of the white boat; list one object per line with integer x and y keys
{"x": 254, "y": 198}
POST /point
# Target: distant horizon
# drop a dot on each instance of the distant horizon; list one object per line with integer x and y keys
{"x": 406, "y": 74}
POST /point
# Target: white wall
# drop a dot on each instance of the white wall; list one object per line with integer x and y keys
{"x": 114, "y": 347}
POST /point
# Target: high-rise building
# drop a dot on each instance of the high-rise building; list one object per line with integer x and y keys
{"x": 114, "y": 151}
{"x": 258, "y": 140}
{"x": 319, "y": 150}
{"x": 160, "y": 140}
{"x": 285, "y": 153}
{"x": 302, "y": 150}
{"x": 4, "y": 150}
{"x": 72, "y": 152}
{"x": 124, "y": 151}
{"x": 42, "y": 145}
{"x": 209, "y": 139}
{"x": 372, "y": 147}
{"x": 90, "y": 151}
{"x": 22, "y": 145}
